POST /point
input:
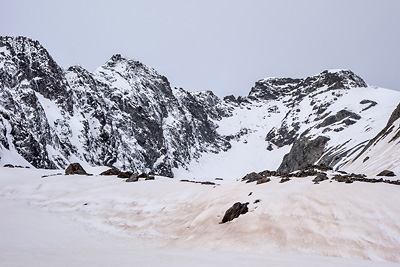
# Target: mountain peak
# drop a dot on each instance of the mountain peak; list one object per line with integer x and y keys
{"x": 273, "y": 88}
{"x": 128, "y": 66}
{"x": 336, "y": 79}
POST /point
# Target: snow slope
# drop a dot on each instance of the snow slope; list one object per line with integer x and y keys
{"x": 251, "y": 124}
{"x": 154, "y": 222}
{"x": 382, "y": 152}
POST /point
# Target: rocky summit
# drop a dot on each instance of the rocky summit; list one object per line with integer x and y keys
{"x": 125, "y": 114}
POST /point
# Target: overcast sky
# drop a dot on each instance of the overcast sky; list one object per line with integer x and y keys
{"x": 223, "y": 46}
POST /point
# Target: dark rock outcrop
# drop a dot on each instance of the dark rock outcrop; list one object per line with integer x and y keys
{"x": 370, "y": 102}
{"x": 303, "y": 153}
{"x": 75, "y": 168}
{"x": 341, "y": 115}
{"x": 112, "y": 171}
{"x": 386, "y": 173}
{"x": 284, "y": 180}
{"x": 235, "y": 211}
{"x": 9, "y": 166}
{"x": 118, "y": 173}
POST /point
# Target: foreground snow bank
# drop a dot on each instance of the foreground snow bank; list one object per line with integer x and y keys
{"x": 87, "y": 220}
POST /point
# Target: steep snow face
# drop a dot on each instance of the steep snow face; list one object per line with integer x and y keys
{"x": 382, "y": 152}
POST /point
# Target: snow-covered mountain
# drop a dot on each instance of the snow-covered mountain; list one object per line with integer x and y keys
{"x": 286, "y": 124}
{"x": 127, "y": 115}
{"x": 123, "y": 114}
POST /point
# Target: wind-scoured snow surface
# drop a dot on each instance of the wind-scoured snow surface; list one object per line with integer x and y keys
{"x": 95, "y": 221}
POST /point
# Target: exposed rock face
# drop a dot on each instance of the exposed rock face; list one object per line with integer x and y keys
{"x": 123, "y": 114}
{"x": 75, "y": 168}
{"x": 26, "y": 69}
{"x": 274, "y": 88}
{"x": 235, "y": 211}
{"x": 303, "y": 152}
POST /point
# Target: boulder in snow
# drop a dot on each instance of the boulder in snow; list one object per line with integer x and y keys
{"x": 75, "y": 168}
{"x": 133, "y": 178}
{"x": 235, "y": 211}
{"x": 386, "y": 173}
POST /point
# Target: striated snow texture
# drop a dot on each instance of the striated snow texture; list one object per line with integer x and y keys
{"x": 382, "y": 152}
{"x": 100, "y": 221}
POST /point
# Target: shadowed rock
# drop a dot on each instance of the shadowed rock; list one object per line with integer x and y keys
{"x": 118, "y": 173}
{"x": 124, "y": 174}
{"x": 133, "y": 178}
{"x": 263, "y": 180}
{"x": 235, "y": 211}
{"x": 8, "y": 166}
{"x": 252, "y": 177}
{"x": 112, "y": 171}
{"x": 386, "y": 173}
{"x": 284, "y": 180}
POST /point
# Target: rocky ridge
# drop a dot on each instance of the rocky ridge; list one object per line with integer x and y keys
{"x": 123, "y": 114}
{"x": 127, "y": 115}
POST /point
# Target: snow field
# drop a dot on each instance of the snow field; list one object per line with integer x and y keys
{"x": 355, "y": 222}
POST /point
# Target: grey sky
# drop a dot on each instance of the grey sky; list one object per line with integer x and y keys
{"x": 224, "y": 46}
